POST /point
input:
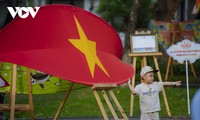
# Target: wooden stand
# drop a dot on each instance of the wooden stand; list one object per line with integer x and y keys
{"x": 144, "y": 63}
{"x": 12, "y": 107}
{"x": 175, "y": 34}
{"x": 64, "y": 100}
{"x": 170, "y": 64}
{"x": 106, "y": 90}
{"x": 103, "y": 88}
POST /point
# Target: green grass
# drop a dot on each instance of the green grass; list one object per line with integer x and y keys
{"x": 82, "y": 103}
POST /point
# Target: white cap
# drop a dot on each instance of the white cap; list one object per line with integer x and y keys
{"x": 147, "y": 69}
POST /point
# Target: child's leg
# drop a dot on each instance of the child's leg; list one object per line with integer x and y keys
{"x": 150, "y": 116}
{"x": 155, "y": 116}
{"x": 145, "y": 116}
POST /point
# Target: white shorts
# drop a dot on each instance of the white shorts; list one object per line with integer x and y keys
{"x": 150, "y": 116}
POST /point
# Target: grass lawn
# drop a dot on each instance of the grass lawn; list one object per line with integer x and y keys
{"x": 82, "y": 103}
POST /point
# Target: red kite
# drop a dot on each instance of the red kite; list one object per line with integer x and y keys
{"x": 67, "y": 42}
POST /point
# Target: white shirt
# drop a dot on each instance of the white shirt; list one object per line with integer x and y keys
{"x": 149, "y": 96}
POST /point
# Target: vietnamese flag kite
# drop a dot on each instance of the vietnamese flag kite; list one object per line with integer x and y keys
{"x": 67, "y": 42}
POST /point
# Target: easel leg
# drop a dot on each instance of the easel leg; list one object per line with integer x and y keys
{"x": 64, "y": 100}
{"x": 144, "y": 61}
{"x": 133, "y": 84}
{"x": 109, "y": 104}
{"x": 103, "y": 88}
{"x": 30, "y": 94}
{"x": 171, "y": 68}
{"x": 166, "y": 103}
{"x": 163, "y": 91}
{"x": 13, "y": 92}
{"x": 168, "y": 67}
{"x": 193, "y": 70}
{"x": 170, "y": 63}
{"x": 100, "y": 105}
{"x": 118, "y": 105}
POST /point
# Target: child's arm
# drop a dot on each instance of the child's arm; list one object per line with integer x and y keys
{"x": 177, "y": 83}
{"x": 131, "y": 87}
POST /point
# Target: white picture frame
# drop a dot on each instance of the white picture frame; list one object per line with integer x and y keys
{"x": 143, "y": 43}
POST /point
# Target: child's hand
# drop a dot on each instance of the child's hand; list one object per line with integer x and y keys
{"x": 178, "y": 83}
{"x": 129, "y": 81}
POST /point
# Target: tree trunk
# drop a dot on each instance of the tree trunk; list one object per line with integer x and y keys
{"x": 130, "y": 30}
{"x": 163, "y": 10}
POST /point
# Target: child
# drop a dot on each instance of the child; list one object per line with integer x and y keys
{"x": 148, "y": 92}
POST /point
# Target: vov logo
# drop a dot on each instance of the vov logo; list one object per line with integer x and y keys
{"x": 23, "y": 12}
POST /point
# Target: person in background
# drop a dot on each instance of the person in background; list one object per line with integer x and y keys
{"x": 195, "y": 108}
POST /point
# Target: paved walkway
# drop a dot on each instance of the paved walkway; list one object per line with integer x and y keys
{"x": 130, "y": 118}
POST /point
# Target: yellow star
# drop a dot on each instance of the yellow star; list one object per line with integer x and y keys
{"x": 88, "y": 48}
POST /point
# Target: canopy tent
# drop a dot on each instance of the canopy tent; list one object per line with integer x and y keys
{"x": 67, "y": 42}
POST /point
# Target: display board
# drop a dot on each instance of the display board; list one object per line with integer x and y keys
{"x": 144, "y": 43}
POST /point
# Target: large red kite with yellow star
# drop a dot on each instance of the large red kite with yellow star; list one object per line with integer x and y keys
{"x": 67, "y": 42}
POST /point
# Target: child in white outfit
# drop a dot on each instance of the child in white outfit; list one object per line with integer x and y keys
{"x": 148, "y": 92}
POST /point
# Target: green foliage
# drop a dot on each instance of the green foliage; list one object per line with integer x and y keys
{"x": 23, "y": 3}
{"x": 144, "y": 14}
{"x": 117, "y": 13}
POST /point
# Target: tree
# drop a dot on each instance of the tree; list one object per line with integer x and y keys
{"x": 135, "y": 14}
{"x": 131, "y": 28}
{"x": 116, "y": 12}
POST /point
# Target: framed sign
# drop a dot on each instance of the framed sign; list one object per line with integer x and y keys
{"x": 143, "y": 43}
